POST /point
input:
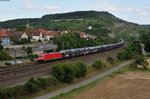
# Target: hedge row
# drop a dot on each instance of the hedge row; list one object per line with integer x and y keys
{"x": 66, "y": 72}
{"x": 30, "y": 87}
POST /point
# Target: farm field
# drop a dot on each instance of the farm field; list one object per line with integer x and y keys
{"x": 129, "y": 85}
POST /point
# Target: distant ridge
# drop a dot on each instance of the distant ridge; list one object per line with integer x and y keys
{"x": 145, "y": 25}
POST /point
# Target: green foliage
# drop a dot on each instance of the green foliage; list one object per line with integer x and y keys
{"x": 21, "y": 28}
{"x": 39, "y": 41}
{"x": 130, "y": 50}
{"x": 4, "y": 56}
{"x": 1, "y": 47}
{"x": 145, "y": 38}
{"x": 81, "y": 69}
{"x": 21, "y": 41}
{"x": 111, "y": 60}
{"x": 32, "y": 86}
{"x": 139, "y": 60}
{"x": 28, "y": 50}
{"x": 124, "y": 54}
{"x": 98, "y": 64}
{"x": 73, "y": 40}
{"x": 64, "y": 72}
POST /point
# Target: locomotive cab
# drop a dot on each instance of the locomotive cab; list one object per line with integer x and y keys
{"x": 41, "y": 57}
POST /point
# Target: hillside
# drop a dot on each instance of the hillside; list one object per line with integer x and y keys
{"x": 102, "y": 23}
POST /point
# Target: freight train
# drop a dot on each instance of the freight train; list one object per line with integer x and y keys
{"x": 77, "y": 52}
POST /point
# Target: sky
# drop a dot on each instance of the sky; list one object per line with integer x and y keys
{"x": 136, "y": 11}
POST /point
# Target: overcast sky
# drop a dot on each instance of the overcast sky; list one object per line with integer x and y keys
{"x": 137, "y": 11}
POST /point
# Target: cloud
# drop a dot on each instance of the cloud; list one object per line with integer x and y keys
{"x": 108, "y": 7}
{"x": 147, "y": 7}
{"x": 29, "y": 4}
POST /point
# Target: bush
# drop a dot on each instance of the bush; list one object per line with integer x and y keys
{"x": 81, "y": 69}
{"x": 35, "y": 56}
{"x": 5, "y": 56}
{"x": 124, "y": 54}
{"x": 64, "y": 72}
{"x": 1, "y": 47}
{"x": 30, "y": 87}
{"x": 98, "y": 64}
{"x": 111, "y": 60}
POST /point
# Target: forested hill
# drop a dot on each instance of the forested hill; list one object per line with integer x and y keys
{"x": 78, "y": 15}
{"x": 102, "y": 23}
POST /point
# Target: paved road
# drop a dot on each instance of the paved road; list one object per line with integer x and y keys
{"x": 83, "y": 82}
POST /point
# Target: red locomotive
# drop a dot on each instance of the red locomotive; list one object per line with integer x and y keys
{"x": 50, "y": 56}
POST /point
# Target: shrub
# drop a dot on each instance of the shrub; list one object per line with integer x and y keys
{"x": 53, "y": 81}
{"x": 81, "y": 69}
{"x": 110, "y": 60}
{"x": 30, "y": 87}
{"x": 58, "y": 72}
{"x": 64, "y": 72}
{"x": 123, "y": 55}
{"x": 69, "y": 72}
{"x": 1, "y": 47}
{"x": 98, "y": 64}
{"x": 5, "y": 56}
{"x": 35, "y": 56}
{"x": 42, "y": 82}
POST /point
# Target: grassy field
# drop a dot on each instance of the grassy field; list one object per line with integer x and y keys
{"x": 125, "y": 82}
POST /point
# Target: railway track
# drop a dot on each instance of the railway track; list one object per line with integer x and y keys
{"x": 27, "y": 71}
{"x": 31, "y": 69}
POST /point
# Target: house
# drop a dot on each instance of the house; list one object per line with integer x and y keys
{"x": 36, "y": 35}
{"x": 51, "y": 34}
{"x": 19, "y": 35}
{"x": 4, "y": 38}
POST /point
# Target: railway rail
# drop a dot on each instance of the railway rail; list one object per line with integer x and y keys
{"x": 27, "y": 71}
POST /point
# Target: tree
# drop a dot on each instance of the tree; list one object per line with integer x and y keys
{"x": 81, "y": 69}
{"x": 21, "y": 28}
{"x": 4, "y": 56}
{"x": 139, "y": 60}
{"x": 145, "y": 38}
{"x": 64, "y": 72}
{"x": 98, "y": 64}
{"x": 1, "y": 48}
{"x": 28, "y": 50}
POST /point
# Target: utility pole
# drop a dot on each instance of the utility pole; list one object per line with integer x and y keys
{"x": 15, "y": 63}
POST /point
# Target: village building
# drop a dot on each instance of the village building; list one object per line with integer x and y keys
{"x": 19, "y": 35}
{"x": 4, "y": 38}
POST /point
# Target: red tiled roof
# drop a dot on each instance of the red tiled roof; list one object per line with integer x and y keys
{"x": 31, "y": 33}
{"x": 3, "y": 34}
{"x": 0, "y": 39}
{"x": 53, "y": 33}
{"x": 43, "y": 31}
